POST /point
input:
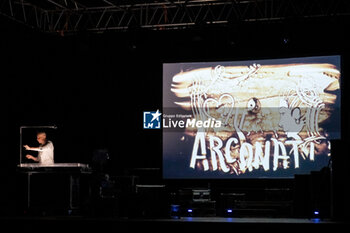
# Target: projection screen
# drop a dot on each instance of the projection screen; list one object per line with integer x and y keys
{"x": 271, "y": 118}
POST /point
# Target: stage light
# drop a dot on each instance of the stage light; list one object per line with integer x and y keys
{"x": 175, "y": 211}
{"x": 229, "y": 212}
{"x": 285, "y": 40}
{"x": 316, "y": 216}
{"x": 175, "y": 208}
{"x": 189, "y": 212}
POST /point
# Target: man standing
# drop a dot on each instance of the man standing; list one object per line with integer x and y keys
{"x": 45, "y": 150}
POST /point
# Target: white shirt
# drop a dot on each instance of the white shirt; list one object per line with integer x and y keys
{"x": 45, "y": 153}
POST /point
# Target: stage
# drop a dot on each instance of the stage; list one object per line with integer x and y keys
{"x": 188, "y": 224}
{"x": 235, "y": 119}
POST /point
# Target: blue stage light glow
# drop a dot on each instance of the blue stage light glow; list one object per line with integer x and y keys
{"x": 175, "y": 208}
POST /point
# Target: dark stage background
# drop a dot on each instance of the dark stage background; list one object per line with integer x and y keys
{"x": 95, "y": 87}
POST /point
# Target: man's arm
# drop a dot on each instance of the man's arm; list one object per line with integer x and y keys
{"x": 33, "y": 148}
{"x": 48, "y": 146}
{"x": 32, "y": 158}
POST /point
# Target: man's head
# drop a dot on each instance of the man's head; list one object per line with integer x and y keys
{"x": 41, "y": 137}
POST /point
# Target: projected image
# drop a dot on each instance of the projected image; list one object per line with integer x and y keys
{"x": 250, "y": 119}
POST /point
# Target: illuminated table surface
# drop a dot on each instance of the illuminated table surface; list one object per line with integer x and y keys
{"x": 59, "y": 165}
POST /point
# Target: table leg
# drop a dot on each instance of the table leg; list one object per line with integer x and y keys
{"x": 28, "y": 189}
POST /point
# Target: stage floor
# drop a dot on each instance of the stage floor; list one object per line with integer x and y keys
{"x": 185, "y": 224}
{"x": 247, "y": 220}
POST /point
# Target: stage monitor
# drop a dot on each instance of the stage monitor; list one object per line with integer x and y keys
{"x": 249, "y": 119}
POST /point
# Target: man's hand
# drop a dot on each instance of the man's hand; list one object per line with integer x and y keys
{"x": 27, "y": 147}
{"x": 30, "y": 157}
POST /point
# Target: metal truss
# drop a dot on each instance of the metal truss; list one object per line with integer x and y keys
{"x": 70, "y": 16}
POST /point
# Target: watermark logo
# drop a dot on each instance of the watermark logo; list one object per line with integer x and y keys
{"x": 151, "y": 120}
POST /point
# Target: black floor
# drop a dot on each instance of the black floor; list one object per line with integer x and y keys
{"x": 185, "y": 224}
